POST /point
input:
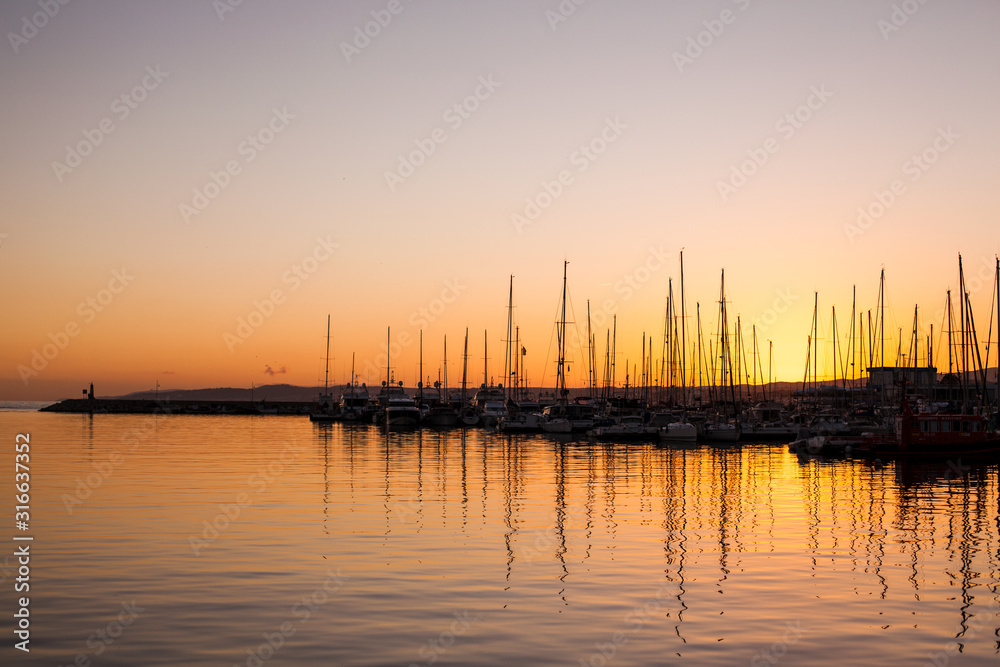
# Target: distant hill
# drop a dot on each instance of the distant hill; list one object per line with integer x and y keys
{"x": 268, "y": 392}
{"x": 287, "y": 392}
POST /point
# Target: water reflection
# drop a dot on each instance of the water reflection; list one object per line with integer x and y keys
{"x": 551, "y": 543}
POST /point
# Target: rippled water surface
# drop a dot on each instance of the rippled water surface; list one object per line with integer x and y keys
{"x": 214, "y": 540}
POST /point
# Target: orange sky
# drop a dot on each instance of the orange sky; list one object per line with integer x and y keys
{"x": 402, "y": 185}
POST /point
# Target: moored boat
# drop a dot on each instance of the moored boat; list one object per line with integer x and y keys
{"x": 629, "y": 427}
{"x": 680, "y": 432}
{"x": 326, "y": 410}
{"x": 934, "y": 434}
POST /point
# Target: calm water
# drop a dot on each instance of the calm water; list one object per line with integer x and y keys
{"x": 340, "y": 545}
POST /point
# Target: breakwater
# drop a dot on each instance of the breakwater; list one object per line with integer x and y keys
{"x": 146, "y": 406}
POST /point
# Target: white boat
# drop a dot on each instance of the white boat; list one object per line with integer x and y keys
{"x": 398, "y": 409}
{"x": 354, "y": 403}
{"x": 722, "y": 432}
{"x": 568, "y": 418}
{"x": 490, "y": 404}
{"x": 522, "y": 422}
{"x": 774, "y": 431}
{"x": 629, "y": 427}
{"x": 427, "y": 398}
{"x": 765, "y": 421}
{"x": 679, "y": 432}
{"x": 525, "y": 418}
{"x": 829, "y": 424}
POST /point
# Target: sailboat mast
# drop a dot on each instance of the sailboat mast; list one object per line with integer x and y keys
{"x": 965, "y": 356}
{"x": 770, "y": 365}
{"x": 726, "y": 352}
{"x": 834, "y": 335}
{"x": 420, "y": 370}
{"x": 930, "y": 348}
{"x": 517, "y": 364}
{"x": 672, "y": 337}
{"x": 700, "y": 355}
{"x": 614, "y": 352}
{"x": 815, "y": 340}
{"x": 644, "y": 379}
{"x": 683, "y": 338}
{"x": 950, "y": 309}
{"x": 465, "y": 365}
{"x": 591, "y": 360}
{"x": 663, "y": 349}
{"x": 561, "y": 337}
{"x": 326, "y": 375}
{"x": 854, "y": 297}
{"x": 507, "y": 361}
{"x": 741, "y": 360}
{"x": 881, "y": 298}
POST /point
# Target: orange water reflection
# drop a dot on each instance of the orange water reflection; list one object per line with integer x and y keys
{"x": 467, "y": 547}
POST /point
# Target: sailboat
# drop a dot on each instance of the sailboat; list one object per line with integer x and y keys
{"x": 325, "y": 410}
{"x": 442, "y": 414}
{"x": 721, "y": 429}
{"x": 565, "y": 417}
{"x": 490, "y": 401}
{"x": 523, "y": 414}
{"x": 355, "y": 402}
{"x": 395, "y": 407}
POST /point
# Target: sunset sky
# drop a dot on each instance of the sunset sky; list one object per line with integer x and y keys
{"x": 190, "y": 188}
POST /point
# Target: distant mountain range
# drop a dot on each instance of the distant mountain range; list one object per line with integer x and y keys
{"x": 267, "y": 392}
{"x": 288, "y": 392}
